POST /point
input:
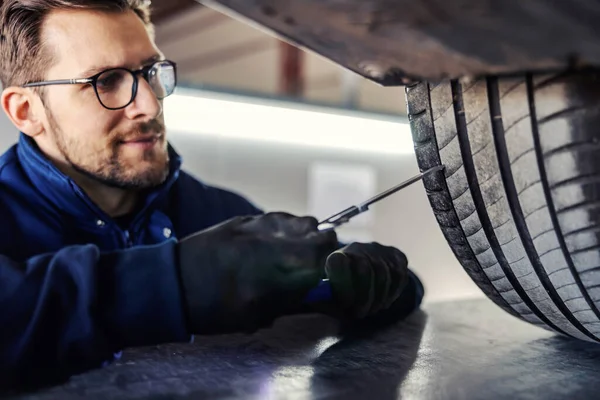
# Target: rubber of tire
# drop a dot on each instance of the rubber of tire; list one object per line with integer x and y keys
{"x": 519, "y": 199}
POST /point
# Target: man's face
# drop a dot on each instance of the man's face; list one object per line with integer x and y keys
{"x": 123, "y": 148}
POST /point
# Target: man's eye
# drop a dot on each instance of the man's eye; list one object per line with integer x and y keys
{"x": 109, "y": 81}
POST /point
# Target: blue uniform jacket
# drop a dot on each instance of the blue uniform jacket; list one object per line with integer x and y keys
{"x": 70, "y": 296}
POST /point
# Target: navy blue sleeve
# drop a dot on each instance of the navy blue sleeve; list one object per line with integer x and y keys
{"x": 74, "y": 310}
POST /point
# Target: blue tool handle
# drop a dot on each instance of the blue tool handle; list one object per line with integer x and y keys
{"x": 320, "y": 294}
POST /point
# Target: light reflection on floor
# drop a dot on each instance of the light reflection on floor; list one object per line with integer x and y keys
{"x": 424, "y": 370}
{"x": 294, "y": 381}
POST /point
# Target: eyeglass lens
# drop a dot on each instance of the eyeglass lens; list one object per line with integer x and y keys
{"x": 116, "y": 87}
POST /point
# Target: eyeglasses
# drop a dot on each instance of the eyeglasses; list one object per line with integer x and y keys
{"x": 116, "y": 88}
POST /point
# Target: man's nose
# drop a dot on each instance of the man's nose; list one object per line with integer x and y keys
{"x": 145, "y": 104}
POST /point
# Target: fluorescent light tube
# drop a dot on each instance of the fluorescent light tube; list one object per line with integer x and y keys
{"x": 275, "y": 121}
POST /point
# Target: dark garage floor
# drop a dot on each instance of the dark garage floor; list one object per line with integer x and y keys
{"x": 457, "y": 350}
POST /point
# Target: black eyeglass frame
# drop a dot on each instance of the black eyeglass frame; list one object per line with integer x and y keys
{"x": 94, "y": 79}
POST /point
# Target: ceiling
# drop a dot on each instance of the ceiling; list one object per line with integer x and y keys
{"x": 213, "y": 50}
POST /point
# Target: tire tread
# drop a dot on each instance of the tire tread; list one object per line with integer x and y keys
{"x": 503, "y": 203}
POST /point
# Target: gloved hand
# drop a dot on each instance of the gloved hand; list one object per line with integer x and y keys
{"x": 244, "y": 273}
{"x": 366, "y": 279}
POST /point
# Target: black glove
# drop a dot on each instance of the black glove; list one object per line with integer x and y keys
{"x": 366, "y": 279}
{"x": 244, "y": 273}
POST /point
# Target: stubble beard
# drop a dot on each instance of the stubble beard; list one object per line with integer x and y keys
{"x": 107, "y": 167}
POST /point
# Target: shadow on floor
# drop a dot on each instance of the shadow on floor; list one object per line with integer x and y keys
{"x": 371, "y": 363}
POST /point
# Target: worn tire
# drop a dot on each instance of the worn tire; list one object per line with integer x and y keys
{"x": 519, "y": 200}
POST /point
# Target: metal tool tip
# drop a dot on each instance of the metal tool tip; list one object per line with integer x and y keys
{"x": 435, "y": 169}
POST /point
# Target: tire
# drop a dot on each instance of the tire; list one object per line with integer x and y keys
{"x": 519, "y": 199}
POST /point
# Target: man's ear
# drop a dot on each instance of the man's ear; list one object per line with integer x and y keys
{"x": 18, "y": 105}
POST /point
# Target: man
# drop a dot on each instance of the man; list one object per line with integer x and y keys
{"x": 105, "y": 243}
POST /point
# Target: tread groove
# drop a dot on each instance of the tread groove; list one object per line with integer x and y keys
{"x": 569, "y": 110}
{"x": 532, "y": 184}
{"x": 463, "y": 192}
{"x": 573, "y": 298}
{"x": 510, "y": 241}
{"x": 495, "y": 201}
{"x": 498, "y": 279}
{"x": 475, "y": 118}
{"x": 467, "y": 87}
{"x": 583, "y": 205}
{"x": 446, "y": 144}
{"x": 483, "y": 148}
{"x": 526, "y": 275}
{"x": 522, "y": 155}
{"x": 476, "y": 232}
{"x": 495, "y": 174}
{"x": 587, "y": 229}
{"x": 443, "y": 113}
{"x": 481, "y": 252}
{"x": 520, "y": 259}
{"x": 511, "y": 126}
{"x": 567, "y": 285}
{"x": 548, "y": 252}
{"x": 512, "y": 88}
{"x": 573, "y": 147}
{"x": 551, "y": 80}
{"x": 490, "y": 266}
{"x": 557, "y": 271}
{"x": 590, "y": 270}
{"x": 417, "y": 115}
{"x": 467, "y": 216}
{"x": 539, "y": 235}
{"x": 502, "y": 224}
{"x": 586, "y": 249}
{"x": 581, "y": 179}
{"x": 580, "y": 311}
{"x": 418, "y": 144}
{"x": 471, "y": 174}
{"x": 453, "y": 173}
{"x": 515, "y": 205}
{"x": 536, "y": 210}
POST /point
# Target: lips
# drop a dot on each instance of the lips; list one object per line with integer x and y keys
{"x": 143, "y": 139}
{"x": 146, "y": 142}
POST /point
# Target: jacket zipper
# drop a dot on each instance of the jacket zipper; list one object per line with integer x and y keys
{"x": 128, "y": 241}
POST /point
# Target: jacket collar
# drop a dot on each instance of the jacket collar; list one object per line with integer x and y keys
{"x": 62, "y": 191}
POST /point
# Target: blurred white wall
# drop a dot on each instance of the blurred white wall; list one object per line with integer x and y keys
{"x": 8, "y": 133}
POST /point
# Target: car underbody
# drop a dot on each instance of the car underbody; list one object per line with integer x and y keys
{"x": 393, "y": 42}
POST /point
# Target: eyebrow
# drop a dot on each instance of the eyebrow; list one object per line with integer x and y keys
{"x": 97, "y": 69}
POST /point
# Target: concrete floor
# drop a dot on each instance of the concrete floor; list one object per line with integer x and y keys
{"x": 456, "y": 350}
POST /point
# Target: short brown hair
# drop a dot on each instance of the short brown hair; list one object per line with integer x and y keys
{"x": 22, "y": 55}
